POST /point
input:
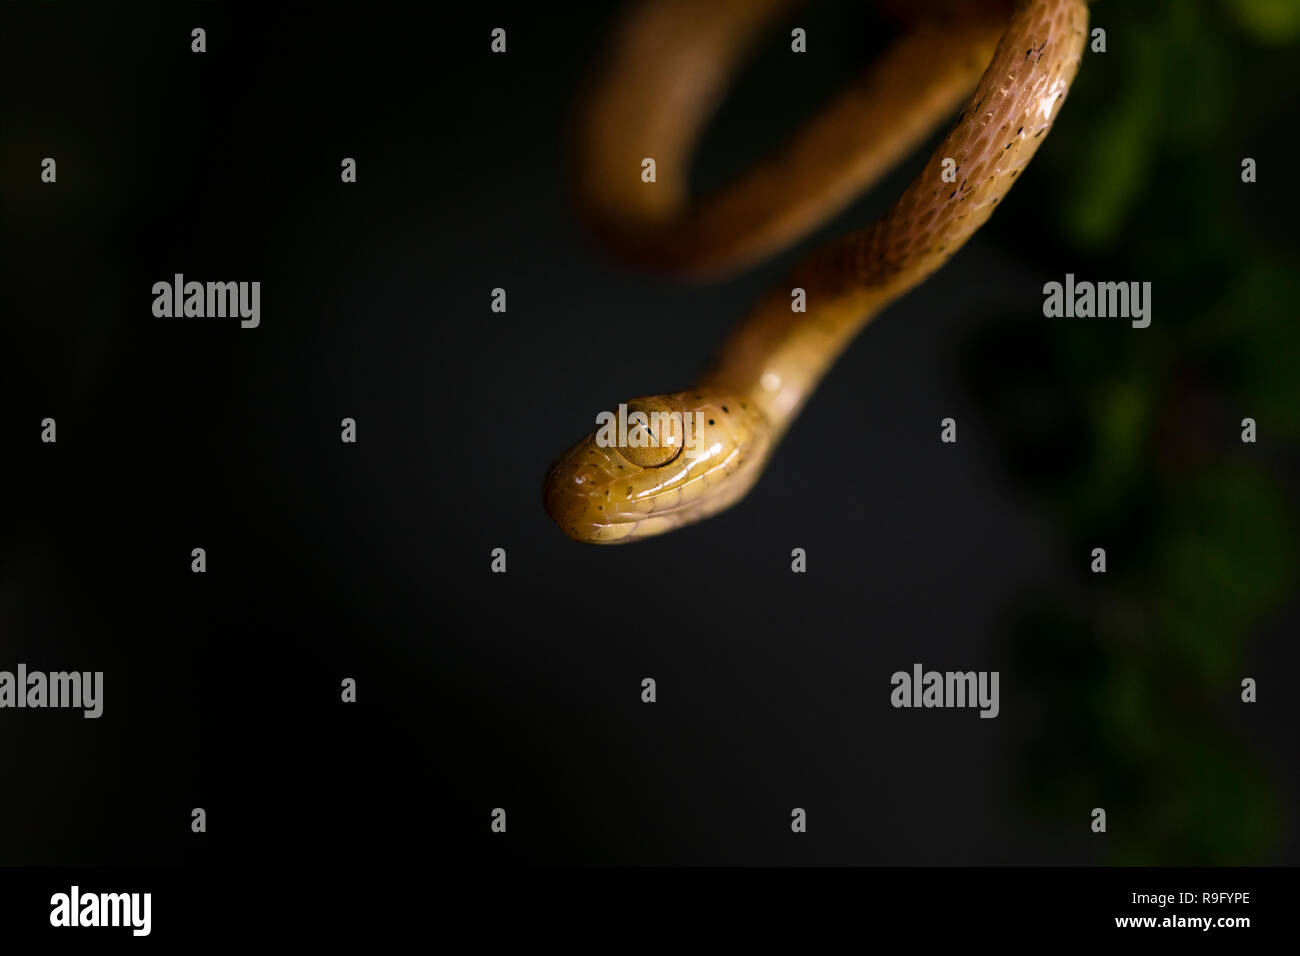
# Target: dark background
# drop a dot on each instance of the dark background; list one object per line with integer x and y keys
{"x": 522, "y": 690}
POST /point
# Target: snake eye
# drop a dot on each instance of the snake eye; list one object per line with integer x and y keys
{"x": 650, "y": 457}
{"x": 654, "y": 433}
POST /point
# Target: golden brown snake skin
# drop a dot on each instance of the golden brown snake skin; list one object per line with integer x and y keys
{"x": 667, "y": 69}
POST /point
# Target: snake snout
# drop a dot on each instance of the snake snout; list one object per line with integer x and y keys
{"x": 573, "y": 491}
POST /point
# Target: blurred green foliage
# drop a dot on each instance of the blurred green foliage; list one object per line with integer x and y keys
{"x": 1133, "y": 436}
{"x": 1267, "y": 21}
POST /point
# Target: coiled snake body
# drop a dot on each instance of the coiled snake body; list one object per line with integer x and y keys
{"x": 667, "y": 68}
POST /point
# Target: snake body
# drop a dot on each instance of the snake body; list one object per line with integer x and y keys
{"x": 667, "y": 69}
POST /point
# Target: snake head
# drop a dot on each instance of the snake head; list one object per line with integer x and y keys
{"x": 657, "y": 463}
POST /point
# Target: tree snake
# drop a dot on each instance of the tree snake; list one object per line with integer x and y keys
{"x": 666, "y": 71}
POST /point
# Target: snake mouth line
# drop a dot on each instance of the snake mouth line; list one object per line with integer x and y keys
{"x": 628, "y": 517}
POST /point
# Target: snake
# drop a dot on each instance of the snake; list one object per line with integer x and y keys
{"x": 666, "y": 70}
